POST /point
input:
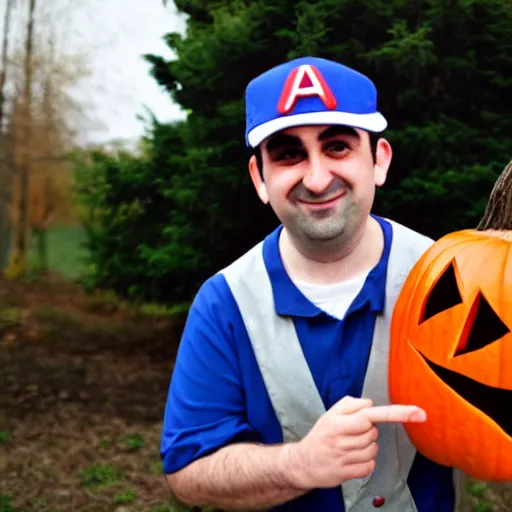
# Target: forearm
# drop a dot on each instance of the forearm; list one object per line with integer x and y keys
{"x": 241, "y": 476}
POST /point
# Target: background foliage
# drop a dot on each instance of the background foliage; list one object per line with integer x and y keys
{"x": 160, "y": 222}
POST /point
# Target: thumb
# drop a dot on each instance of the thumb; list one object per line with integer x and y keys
{"x": 349, "y": 405}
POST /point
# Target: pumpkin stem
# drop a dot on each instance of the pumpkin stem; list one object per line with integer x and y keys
{"x": 498, "y": 212}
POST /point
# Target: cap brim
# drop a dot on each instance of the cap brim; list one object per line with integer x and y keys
{"x": 374, "y": 122}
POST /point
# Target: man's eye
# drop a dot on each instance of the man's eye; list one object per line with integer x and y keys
{"x": 289, "y": 154}
{"x": 337, "y": 146}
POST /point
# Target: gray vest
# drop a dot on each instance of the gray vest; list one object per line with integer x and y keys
{"x": 291, "y": 387}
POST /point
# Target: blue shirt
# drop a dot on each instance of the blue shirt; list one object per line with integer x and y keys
{"x": 217, "y": 395}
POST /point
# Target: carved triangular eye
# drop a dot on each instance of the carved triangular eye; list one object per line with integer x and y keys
{"x": 444, "y": 294}
{"x": 483, "y": 327}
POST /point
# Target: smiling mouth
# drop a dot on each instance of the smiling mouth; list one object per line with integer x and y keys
{"x": 495, "y": 403}
{"x": 323, "y": 204}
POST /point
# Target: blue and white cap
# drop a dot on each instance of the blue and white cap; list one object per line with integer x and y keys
{"x": 309, "y": 90}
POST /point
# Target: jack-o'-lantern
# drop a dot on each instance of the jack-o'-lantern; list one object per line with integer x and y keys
{"x": 451, "y": 345}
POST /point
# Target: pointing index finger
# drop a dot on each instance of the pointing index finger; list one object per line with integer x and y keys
{"x": 395, "y": 414}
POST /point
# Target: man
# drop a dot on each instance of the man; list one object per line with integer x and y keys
{"x": 278, "y": 398}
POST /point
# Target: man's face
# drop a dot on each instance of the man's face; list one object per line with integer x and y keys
{"x": 320, "y": 180}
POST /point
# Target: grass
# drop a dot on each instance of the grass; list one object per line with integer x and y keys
{"x": 6, "y": 504}
{"x": 65, "y": 250}
{"x": 84, "y": 380}
{"x": 479, "y": 494}
{"x": 99, "y": 476}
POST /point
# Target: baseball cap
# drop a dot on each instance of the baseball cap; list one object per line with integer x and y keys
{"x": 309, "y": 90}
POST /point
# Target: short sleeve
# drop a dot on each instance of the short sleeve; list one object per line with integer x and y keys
{"x": 205, "y": 407}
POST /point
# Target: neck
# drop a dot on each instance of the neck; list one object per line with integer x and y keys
{"x": 333, "y": 264}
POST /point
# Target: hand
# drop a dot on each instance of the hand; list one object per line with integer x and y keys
{"x": 343, "y": 443}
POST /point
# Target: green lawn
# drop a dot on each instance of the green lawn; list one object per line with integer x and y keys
{"x": 65, "y": 250}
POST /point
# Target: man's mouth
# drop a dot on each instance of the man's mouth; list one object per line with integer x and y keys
{"x": 325, "y": 203}
{"x": 493, "y": 402}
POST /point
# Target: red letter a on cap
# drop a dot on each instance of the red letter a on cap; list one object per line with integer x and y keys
{"x": 304, "y": 81}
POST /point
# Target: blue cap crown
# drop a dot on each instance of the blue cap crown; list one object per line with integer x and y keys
{"x": 310, "y": 90}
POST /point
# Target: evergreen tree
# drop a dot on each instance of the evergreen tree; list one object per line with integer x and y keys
{"x": 443, "y": 69}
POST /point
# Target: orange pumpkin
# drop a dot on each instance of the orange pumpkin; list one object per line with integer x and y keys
{"x": 451, "y": 352}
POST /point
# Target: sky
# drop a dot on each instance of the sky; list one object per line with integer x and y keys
{"x": 114, "y": 34}
{"x": 120, "y": 75}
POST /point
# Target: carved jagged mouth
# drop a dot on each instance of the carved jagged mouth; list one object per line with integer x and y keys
{"x": 495, "y": 403}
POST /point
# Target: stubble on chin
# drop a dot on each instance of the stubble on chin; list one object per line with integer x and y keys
{"x": 324, "y": 226}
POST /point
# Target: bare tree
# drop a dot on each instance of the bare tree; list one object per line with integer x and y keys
{"x": 17, "y": 264}
{"x": 6, "y": 170}
{"x": 5, "y": 52}
{"x": 43, "y": 124}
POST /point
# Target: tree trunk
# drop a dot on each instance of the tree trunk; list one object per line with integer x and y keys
{"x": 3, "y": 69}
{"x": 18, "y": 261}
{"x": 6, "y": 157}
{"x": 6, "y": 180}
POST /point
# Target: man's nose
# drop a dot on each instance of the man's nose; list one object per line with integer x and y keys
{"x": 318, "y": 176}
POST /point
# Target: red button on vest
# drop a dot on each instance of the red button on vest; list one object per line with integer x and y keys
{"x": 378, "y": 501}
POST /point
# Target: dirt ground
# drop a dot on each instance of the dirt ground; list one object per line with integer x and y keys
{"x": 83, "y": 385}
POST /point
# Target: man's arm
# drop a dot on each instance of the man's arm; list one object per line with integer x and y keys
{"x": 211, "y": 454}
{"x": 241, "y": 477}
{"x": 342, "y": 445}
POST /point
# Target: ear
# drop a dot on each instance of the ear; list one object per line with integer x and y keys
{"x": 383, "y": 156}
{"x": 258, "y": 183}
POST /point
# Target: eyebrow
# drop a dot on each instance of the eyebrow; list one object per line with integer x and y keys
{"x": 285, "y": 140}
{"x": 334, "y": 131}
